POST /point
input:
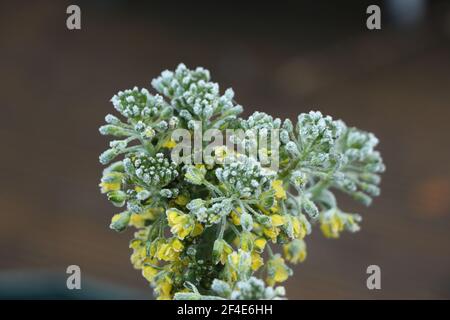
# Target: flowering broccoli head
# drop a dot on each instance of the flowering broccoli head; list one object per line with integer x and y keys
{"x": 212, "y": 230}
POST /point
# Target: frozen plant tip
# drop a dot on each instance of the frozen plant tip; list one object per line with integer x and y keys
{"x": 210, "y": 231}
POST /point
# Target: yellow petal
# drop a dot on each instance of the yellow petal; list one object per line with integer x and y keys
{"x": 115, "y": 217}
{"x": 277, "y": 185}
{"x": 177, "y": 245}
{"x": 271, "y": 233}
{"x": 198, "y": 229}
{"x": 109, "y": 186}
{"x": 257, "y": 261}
{"x": 277, "y": 220}
{"x": 136, "y": 220}
{"x": 235, "y": 218}
{"x": 260, "y": 243}
{"x": 149, "y": 273}
{"x": 170, "y": 144}
{"x": 181, "y": 200}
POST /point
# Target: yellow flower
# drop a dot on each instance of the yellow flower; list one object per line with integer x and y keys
{"x": 295, "y": 251}
{"x": 275, "y": 208}
{"x": 221, "y": 152}
{"x": 149, "y": 273}
{"x": 198, "y": 229}
{"x": 299, "y": 228}
{"x": 257, "y": 261}
{"x": 271, "y": 233}
{"x": 333, "y": 222}
{"x": 169, "y": 143}
{"x": 107, "y": 186}
{"x": 277, "y": 220}
{"x": 111, "y": 181}
{"x": 163, "y": 252}
{"x": 120, "y": 221}
{"x": 277, "y": 271}
{"x": 235, "y": 216}
{"x": 249, "y": 242}
{"x": 138, "y": 220}
{"x": 221, "y": 250}
{"x": 139, "y": 256}
{"x": 260, "y": 243}
{"x": 169, "y": 251}
{"x": 332, "y": 228}
{"x": 238, "y": 263}
{"x": 164, "y": 288}
{"x": 246, "y": 241}
{"x": 135, "y": 244}
{"x": 181, "y": 200}
{"x": 176, "y": 245}
{"x": 280, "y": 193}
{"x": 181, "y": 224}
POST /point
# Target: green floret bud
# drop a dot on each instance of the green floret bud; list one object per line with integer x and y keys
{"x": 155, "y": 171}
{"x": 243, "y": 176}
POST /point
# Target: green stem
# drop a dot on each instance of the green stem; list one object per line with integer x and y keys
{"x": 269, "y": 250}
{"x": 222, "y": 227}
{"x": 318, "y": 187}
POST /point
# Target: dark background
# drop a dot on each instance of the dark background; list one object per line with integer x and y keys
{"x": 281, "y": 58}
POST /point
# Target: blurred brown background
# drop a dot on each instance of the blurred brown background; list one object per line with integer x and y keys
{"x": 283, "y": 59}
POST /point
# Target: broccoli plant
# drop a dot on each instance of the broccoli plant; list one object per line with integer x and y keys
{"x": 212, "y": 230}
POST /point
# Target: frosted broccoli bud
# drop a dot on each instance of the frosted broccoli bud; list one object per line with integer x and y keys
{"x": 120, "y": 221}
{"x": 317, "y": 133}
{"x": 244, "y": 176}
{"x": 362, "y": 165}
{"x": 209, "y": 214}
{"x": 117, "y": 197}
{"x": 261, "y": 120}
{"x": 221, "y": 288}
{"x": 155, "y": 171}
{"x": 260, "y": 127}
{"x": 246, "y": 221}
{"x": 312, "y": 127}
{"x": 114, "y": 130}
{"x": 174, "y": 84}
{"x": 139, "y": 104}
{"x": 108, "y": 156}
{"x": 255, "y": 289}
{"x": 197, "y": 98}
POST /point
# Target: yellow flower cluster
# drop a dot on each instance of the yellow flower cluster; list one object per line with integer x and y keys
{"x": 333, "y": 222}
{"x": 277, "y": 270}
{"x": 295, "y": 251}
{"x": 183, "y": 224}
{"x": 162, "y": 260}
{"x": 159, "y": 261}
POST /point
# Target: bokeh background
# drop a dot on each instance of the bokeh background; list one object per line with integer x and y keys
{"x": 281, "y": 58}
